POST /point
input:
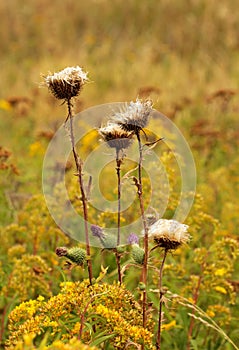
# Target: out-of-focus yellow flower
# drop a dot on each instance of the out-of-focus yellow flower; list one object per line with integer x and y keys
{"x": 5, "y": 105}
{"x": 220, "y": 272}
{"x": 168, "y": 326}
{"x": 220, "y": 289}
{"x": 36, "y": 148}
{"x": 210, "y": 313}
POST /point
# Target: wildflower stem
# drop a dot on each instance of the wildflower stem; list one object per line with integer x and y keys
{"x": 145, "y": 226}
{"x": 118, "y": 165}
{"x": 79, "y": 165}
{"x": 117, "y": 255}
{"x": 192, "y": 320}
{"x": 161, "y": 293}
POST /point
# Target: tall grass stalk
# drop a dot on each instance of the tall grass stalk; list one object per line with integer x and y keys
{"x": 204, "y": 318}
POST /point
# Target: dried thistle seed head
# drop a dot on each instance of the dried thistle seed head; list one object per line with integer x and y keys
{"x": 134, "y": 117}
{"x": 169, "y": 234}
{"x": 67, "y": 83}
{"x": 115, "y": 136}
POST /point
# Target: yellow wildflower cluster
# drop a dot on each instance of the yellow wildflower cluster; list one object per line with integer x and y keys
{"x": 35, "y": 230}
{"x": 125, "y": 333}
{"x": 28, "y": 278}
{"x": 28, "y": 344}
{"x": 217, "y": 266}
{"x": 221, "y": 314}
{"x": 66, "y": 315}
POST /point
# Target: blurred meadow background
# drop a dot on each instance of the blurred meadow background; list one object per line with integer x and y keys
{"x": 185, "y": 56}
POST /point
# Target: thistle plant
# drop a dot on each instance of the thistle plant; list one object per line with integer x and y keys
{"x": 133, "y": 119}
{"x": 75, "y": 254}
{"x": 138, "y": 253}
{"x": 66, "y": 85}
{"x": 118, "y": 139}
{"x": 168, "y": 235}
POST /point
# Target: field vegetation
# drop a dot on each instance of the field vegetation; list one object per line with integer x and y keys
{"x": 183, "y": 55}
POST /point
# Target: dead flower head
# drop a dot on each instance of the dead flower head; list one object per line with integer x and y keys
{"x": 169, "y": 234}
{"x": 67, "y": 83}
{"x": 115, "y": 136}
{"x": 134, "y": 117}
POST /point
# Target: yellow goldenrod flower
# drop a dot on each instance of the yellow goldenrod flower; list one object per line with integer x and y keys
{"x": 36, "y": 148}
{"x": 221, "y": 272}
{"x": 220, "y": 289}
{"x": 169, "y": 325}
{"x": 5, "y": 105}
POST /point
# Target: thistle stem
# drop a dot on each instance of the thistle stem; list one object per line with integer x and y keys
{"x": 118, "y": 165}
{"x": 79, "y": 167}
{"x": 117, "y": 255}
{"x": 145, "y": 226}
{"x": 161, "y": 293}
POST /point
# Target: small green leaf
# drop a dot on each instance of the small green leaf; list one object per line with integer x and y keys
{"x": 102, "y": 339}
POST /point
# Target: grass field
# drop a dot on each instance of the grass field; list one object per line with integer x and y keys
{"x": 183, "y": 55}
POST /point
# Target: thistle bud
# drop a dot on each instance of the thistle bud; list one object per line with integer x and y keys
{"x": 75, "y": 254}
{"x": 138, "y": 254}
{"x": 109, "y": 242}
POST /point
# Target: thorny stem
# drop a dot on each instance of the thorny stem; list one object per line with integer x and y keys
{"x": 118, "y": 164}
{"x": 117, "y": 255}
{"x": 79, "y": 165}
{"x": 145, "y": 226}
{"x": 161, "y": 293}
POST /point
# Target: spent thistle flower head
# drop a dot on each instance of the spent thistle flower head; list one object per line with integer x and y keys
{"x": 67, "y": 83}
{"x": 61, "y": 251}
{"x": 134, "y": 117}
{"x": 115, "y": 136}
{"x": 169, "y": 234}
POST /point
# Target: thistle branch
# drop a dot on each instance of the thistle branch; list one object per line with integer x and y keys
{"x": 79, "y": 167}
{"x": 145, "y": 227}
{"x": 161, "y": 293}
{"x": 117, "y": 255}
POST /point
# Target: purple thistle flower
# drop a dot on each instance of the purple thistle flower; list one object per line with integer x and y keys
{"x": 97, "y": 232}
{"x": 133, "y": 239}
